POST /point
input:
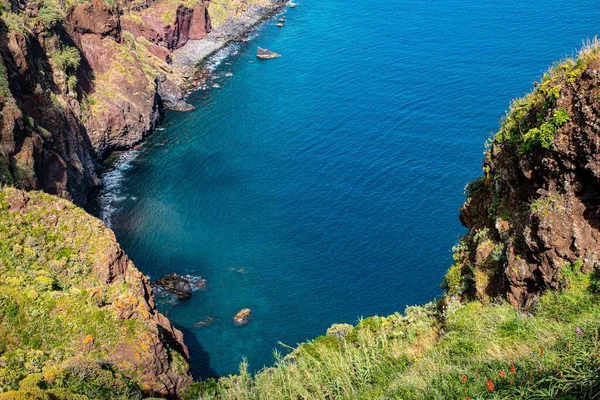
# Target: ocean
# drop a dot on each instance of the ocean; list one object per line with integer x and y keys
{"x": 325, "y": 185}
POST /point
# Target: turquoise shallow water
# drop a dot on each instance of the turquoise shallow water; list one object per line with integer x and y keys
{"x": 333, "y": 175}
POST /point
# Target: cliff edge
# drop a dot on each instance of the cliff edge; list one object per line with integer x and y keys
{"x": 75, "y": 313}
{"x": 537, "y": 207}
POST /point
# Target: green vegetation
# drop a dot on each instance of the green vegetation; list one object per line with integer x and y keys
{"x": 544, "y": 135}
{"x": 543, "y": 205}
{"x": 67, "y": 59}
{"x": 475, "y": 185}
{"x": 54, "y": 336}
{"x": 444, "y": 350}
{"x": 6, "y": 177}
{"x": 4, "y": 86}
{"x": 534, "y": 120}
{"x": 50, "y": 14}
{"x": 14, "y": 22}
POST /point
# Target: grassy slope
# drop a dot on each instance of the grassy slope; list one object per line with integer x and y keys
{"x": 425, "y": 353}
{"x": 452, "y": 349}
{"x": 52, "y": 331}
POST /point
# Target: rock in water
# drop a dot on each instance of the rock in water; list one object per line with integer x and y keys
{"x": 171, "y": 95}
{"x": 266, "y": 54}
{"x": 176, "y": 284}
{"x": 242, "y": 317}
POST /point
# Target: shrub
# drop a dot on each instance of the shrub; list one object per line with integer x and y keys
{"x": 544, "y": 135}
{"x": 50, "y": 15}
{"x": 4, "y": 86}
{"x": 475, "y": 185}
{"x": 67, "y": 59}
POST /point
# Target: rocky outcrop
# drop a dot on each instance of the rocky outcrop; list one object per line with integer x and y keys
{"x": 94, "y": 301}
{"x": 537, "y": 209}
{"x": 171, "y": 95}
{"x": 242, "y": 317}
{"x": 94, "y": 17}
{"x": 81, "y": 80}
{"x": 176, "y": 284}
{"x": 169, "y": 24}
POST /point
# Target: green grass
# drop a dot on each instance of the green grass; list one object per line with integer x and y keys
{"x": 533, "y": 121}
{"x": 424, "y": 354}
{"x": 51, "y": 320}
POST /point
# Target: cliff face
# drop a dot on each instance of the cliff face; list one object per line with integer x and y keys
{"x": 73, "y": 88}
{"x": 536, "y": 210}
{"x": 32, "y": 154}
{"x": 69, "y": 293}
{"x": 170, "y": 24}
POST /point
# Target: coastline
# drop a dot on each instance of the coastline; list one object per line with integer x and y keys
{"x": 195, "y": 52}
{"x": 190, "y": 61}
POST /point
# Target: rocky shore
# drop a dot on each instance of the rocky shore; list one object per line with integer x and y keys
{"x": 230, "y": 30}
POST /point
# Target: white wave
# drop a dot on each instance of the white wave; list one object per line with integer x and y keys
{"x": 221, "y": 55}
{"x": 112, "y": 191}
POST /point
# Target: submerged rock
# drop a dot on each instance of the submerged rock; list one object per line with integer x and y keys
{"x": 242, "y": 317}
{"x": 208, "y": 321}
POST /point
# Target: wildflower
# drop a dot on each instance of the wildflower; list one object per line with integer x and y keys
{"x": 490, "y": 385}
{"x": 512, "y": 369}
{"x": 511, "y": 382}
{"x": 464, "y": 378}
{"x": 578, "y": 331}
{"x": 476, "y": 374}
{"x": 502, "y": 374}
{"x": 542, "y": 351}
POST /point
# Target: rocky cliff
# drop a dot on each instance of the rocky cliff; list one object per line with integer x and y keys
{"x": 79, "y": 80}
{"x": 536, "y": 209}
{"x": 70, "y": 298}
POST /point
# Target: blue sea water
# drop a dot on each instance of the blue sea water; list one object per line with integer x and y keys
{"x": 333, "y": 175}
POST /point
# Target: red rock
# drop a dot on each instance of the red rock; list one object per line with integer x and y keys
{"x": 540, "y": 207}
{"x": 96, "y": 17}
{"x": 242, "y": 317}
{"x": 169, "y": 25}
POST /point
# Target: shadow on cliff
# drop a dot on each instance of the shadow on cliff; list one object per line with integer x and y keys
{"x": 199, "y": 358}
{"x": 66, "y": 159}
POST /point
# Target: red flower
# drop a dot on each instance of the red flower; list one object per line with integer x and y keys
{"x": 476, "y": 374}
{"x": 464, "y": 378}
{"x": 490, "y": 385}
{"x": 511, "y": 383}
{"x": 512, "y": 369}
{"x": 542, "y": 351}
{"x": 502, "y": 374}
